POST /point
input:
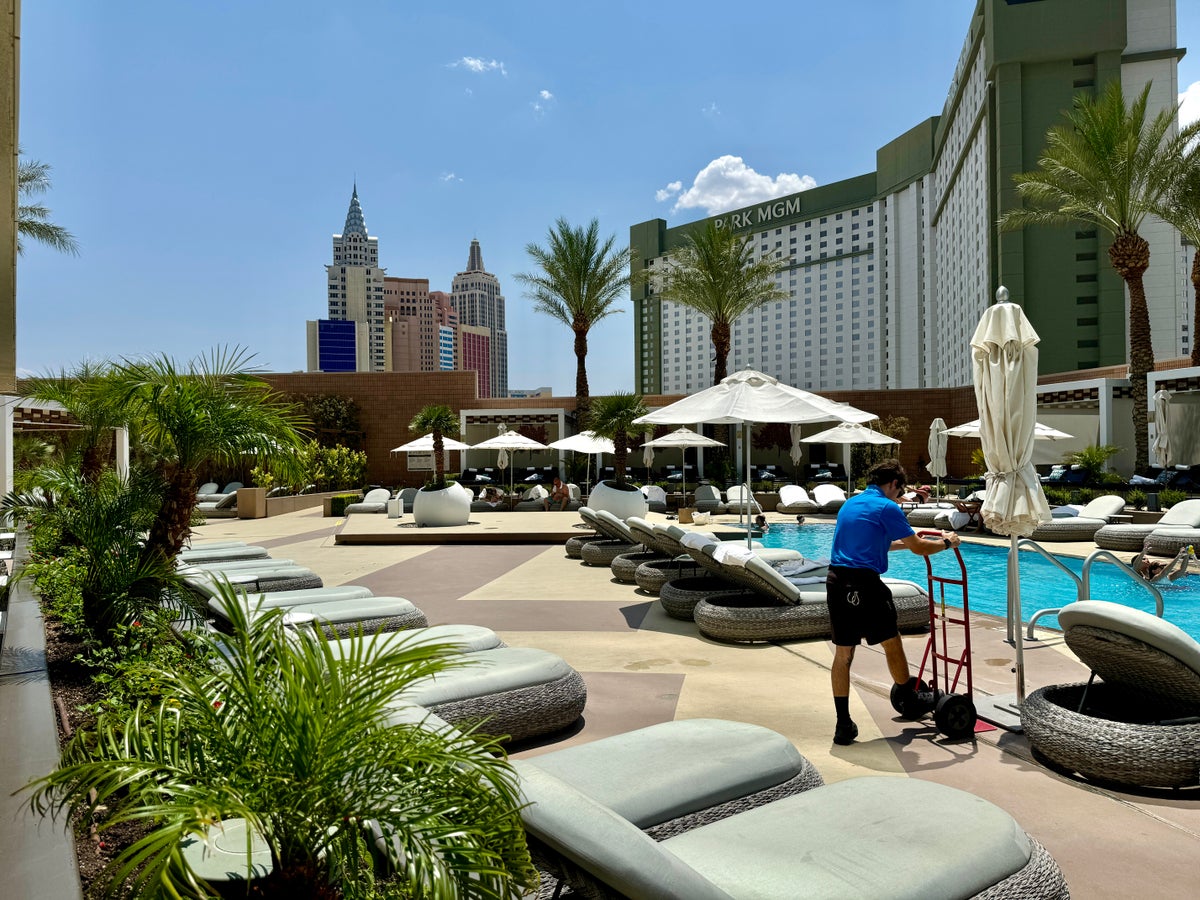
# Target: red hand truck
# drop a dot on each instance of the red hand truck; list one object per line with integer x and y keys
{"x": 953, "y": 713}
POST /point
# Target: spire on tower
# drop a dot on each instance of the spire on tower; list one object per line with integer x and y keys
{"x": 355, "y": 224}
{"x": 475, "y": 259}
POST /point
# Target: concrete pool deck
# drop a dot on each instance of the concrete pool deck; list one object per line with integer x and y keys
{"x": 643, "y": 667}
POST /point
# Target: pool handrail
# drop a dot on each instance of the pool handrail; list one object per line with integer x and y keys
{"x": 1084, "y": 582}
{"x": 1051, "y": 558}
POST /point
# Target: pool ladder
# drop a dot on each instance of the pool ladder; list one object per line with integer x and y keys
{"x": 1083, "y": 581}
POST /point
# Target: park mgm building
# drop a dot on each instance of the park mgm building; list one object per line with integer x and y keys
{"x": 889, "y": 272}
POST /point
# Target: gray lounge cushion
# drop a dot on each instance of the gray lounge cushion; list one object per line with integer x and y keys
{"x": 708, "y": 499}
{"x": 490, "y": 672}
{"x": 272, "y": 599}
{"x": 857, "y": 838}
{"x": 374, "y": 502}
{"x": 655, "y": 774}
{"x": 222, "y": 554}
{"x": 463, "y": 638}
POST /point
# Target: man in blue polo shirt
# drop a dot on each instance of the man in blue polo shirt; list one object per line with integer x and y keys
{"x": 869, "y": 526}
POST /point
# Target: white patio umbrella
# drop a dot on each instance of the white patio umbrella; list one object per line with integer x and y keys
{"x": 748, "y": 398}
{"x": 585, "y": 442}
{"x": 1005, "y": 362}
{"x": 683, "y": 438}
{"x": 1163, "y": 451}
{"x": 425, "y": 445}
{"x": 1040, "y": 432}
{"x": 797, "y": 452}
{"x": 509, "y": 440}
{"x": 937, "y": 451}
{"x": 849, "y": 433}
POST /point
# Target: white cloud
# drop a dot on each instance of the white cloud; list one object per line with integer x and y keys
{"x": 728, "y": 183}
{"x": 664, "y": 194}
{"x": 545, "y": 95}
{"x": 1189, "y": 109}
{"x": 711, "y": 110}
{"x": 479, "y": 65}
{"x": 448, "y": 177}
{"x": 540, "y": 105}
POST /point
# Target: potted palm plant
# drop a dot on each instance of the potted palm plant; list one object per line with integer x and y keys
{"x": 439, "y": 504}
{"x": 613, "y": 417}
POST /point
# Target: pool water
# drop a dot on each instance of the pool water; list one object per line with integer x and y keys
{"x": 1042, "y": 584}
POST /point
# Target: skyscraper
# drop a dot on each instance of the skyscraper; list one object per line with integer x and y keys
{"x": 355, "y": 283}
{"x": 476, "y": 296}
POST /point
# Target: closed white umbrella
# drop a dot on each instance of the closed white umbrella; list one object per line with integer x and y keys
{"x": 1005, "y": 362}
{"x": 748, "y": 398}
{"x": 797, "y": 452}
{"x": 849, "y": 433}
{"x": 1163, "y": 451}
{"x": 683, "y": 438}
{"x": 937, "y": 451}
{"x": 509, "y": 440}
{"x": 647, "y": 452}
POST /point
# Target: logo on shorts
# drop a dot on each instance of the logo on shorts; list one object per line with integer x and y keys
{"x": 852, "y": 598}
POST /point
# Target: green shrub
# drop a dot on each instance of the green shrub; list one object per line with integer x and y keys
{"x": 59, "y": 580}
{"x": 339, "y": 502}
{"x": 1087, "y": 495}
{"x": 1136, "y": 499}
{"x": 1057, "y": 496}
{"x": 1168, "y": 498}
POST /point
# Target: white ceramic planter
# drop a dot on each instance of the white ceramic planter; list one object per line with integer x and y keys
{"x": 440, "y": 509}
{"x": 621, "y": 504}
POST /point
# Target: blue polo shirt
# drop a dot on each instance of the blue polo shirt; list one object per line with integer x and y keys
{"x": 867, "y": 524}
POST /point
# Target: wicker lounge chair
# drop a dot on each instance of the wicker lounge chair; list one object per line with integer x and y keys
{"x": 1168, "y": 541}
{"x": 829, "y": 497}
{"x": 1184, "y": 515}
{"x": 670, "y": 562}
{"x": 923, "y": 515}
{"x": 708, "y": 499}
{"x": 624, "y": 566}
{"x": 782, "y": 609}
{"x": 1141, "y": 724}
{"x": 406, "y": 496}
{"x": 206, "y": 490}
{"x": 223, "y": 508}
{"x": 221, "y": 552}
{"x": 680, "y": 596}
{"x": 656, "y": 498}
{"x": 1084, "y": 526}
{"x": 374, "y": 502}
{"x": 794, "y": 500}
{"x": 738, "y": 498}
{"x": 850, "y": 839}
{"x": 615, "y": 541}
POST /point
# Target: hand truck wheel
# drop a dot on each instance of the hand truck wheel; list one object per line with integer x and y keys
{"x": 955, "y": 716}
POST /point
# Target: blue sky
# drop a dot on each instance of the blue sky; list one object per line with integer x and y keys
{"x": 203, "y": 153}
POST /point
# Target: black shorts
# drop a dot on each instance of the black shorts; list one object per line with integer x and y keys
{"x": 860, "y": 607}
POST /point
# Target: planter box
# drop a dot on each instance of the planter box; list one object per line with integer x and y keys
{"x": 344, "y": 498}
{"x": 278, "y": 506}
{"x": 252, "y": 503}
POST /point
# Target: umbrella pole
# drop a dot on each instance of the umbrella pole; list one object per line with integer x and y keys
{"x": 683, "y": 473}
{"x": 747, "y": 497}
{"x": 1014, "y": 615}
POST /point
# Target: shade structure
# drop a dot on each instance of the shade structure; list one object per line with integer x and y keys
{"x": 509, "y": 440}
{"x": 1163, "y": 451}
{"x": 683, "y": 438}
{"x": 1004, "y": 359}
{"x": 849, "y": 433}
{"x": 425, "y": 445}
{"x": 748, "y": 398}
{"x": 585, "y": 442}
{"x": 1040, "y": 432}
{"x": 937, "y": 451}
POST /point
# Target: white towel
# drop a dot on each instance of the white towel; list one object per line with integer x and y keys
{"x": 733, "y": 553}
{"x": 694, "y": 540}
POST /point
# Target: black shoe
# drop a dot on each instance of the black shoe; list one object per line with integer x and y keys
{"x": 845, "y": 733}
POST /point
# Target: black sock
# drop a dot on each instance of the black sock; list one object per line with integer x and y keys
{"x": 842, "y": 705}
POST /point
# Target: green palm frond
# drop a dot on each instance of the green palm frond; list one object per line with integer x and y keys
{"x": 441, "y": 421}
{"x": 296, "y": 739}
{"x": 613, "y": 417}
{"x": 33, "y": 178}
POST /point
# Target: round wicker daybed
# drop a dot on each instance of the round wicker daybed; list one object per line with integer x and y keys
{"x": 1169, "y": 541}
{"x": 1141, "y": 724}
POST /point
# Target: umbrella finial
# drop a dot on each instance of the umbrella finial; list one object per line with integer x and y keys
{"x": 1002, "y": 294}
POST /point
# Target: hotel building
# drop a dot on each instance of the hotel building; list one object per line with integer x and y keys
{"x": 475, "y": 294}
{"x": 888, "y": 272}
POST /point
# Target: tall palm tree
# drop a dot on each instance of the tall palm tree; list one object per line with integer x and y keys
{"x": 442, "y": 422}
{"x": 578, "y": 281}
{"x": 1110, "y": 166}
{"x": 612, "y": 417}
{"x": 1181, "y": 208}
{"x": 33, "y": 178}
{"x": 86, "y": 393}
{"x": 715, "y": 273}
{"x": 211, "y": 412}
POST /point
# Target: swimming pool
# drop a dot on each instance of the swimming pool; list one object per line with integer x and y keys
{"x": 1042, "y": 584}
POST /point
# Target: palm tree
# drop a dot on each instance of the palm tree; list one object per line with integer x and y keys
{"x": 714, "y": 272}
{"x": 32, "y": 218}
{"x": 86, "y": 393}
{"x": 1109, "y": 166}
{"x": 578, "y": 282}
{"x": 1181, "y": 208}
{"x": 442, "y": 422}
{"x": 212, "y": 412}
{"x": 302, "y": 744}
{"x": 612, "y": 417}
